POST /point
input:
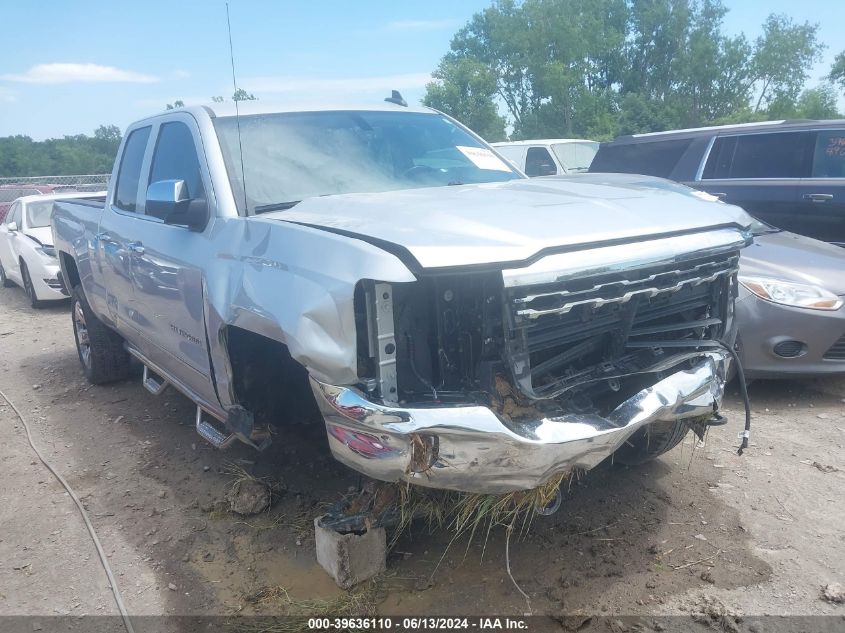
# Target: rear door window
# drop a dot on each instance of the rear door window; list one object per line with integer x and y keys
{"x": 129, "y": 174}
{"x": 772, "y": 155}
{"x": 650, "y": 158}
{"x": 829, "y": 155}
{"x": 538, "y": 162}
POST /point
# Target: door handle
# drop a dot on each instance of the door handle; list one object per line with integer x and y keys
{"x": 136, "y": 248}
{"x": 818, "y": 197}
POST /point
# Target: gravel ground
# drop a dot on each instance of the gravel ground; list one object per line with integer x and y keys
{"x": 700, "y": 533}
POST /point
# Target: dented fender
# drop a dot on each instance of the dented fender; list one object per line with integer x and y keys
{"x": 292, "y": 284}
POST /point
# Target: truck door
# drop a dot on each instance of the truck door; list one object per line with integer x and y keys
{"x": 111, "y": 284}
{"x": 822, "y": 195}
{"x": 166, "y": 260}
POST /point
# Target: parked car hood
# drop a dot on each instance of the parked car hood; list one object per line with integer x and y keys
{"x": 43, "y": 234}
{"x": 511, "y": 221}
{"x": 791, "y": 257}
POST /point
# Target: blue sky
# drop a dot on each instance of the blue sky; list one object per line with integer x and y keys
{"x": 67, "y": 67}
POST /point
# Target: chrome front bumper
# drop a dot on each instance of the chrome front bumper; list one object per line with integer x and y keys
{"x": 470, "y": 448}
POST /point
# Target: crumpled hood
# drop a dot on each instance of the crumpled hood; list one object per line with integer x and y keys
{"x": 795, "y": 258}
{"x": 512, "y": 221}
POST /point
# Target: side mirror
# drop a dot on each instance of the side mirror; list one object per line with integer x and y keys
{"x": 12, "y": 226}
{"x": 168, "y": 200}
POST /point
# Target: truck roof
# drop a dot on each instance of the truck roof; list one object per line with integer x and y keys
{"x": 247, "y": 108}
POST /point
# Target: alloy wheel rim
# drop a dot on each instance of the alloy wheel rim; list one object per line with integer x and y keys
{"x": 83, "y": 341}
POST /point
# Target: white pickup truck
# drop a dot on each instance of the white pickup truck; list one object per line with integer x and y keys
{"x": 459, "y": 325}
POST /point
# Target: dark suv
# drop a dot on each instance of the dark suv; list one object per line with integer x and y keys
{"x": 790, "y": 174}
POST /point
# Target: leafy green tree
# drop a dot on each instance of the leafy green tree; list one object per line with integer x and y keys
{"x": 813, "y": 103}
{"x": 837, "y": 71}
{"x": 78, "y": 154}
{"x": 176, "y": 104}
{"x": 600, "y": 67}
{"x": 782, "y": 59}
{"x": 242, "y": 95}
{"x": 464, "y": 88}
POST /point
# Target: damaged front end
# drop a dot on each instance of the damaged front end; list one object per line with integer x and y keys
{"x": 497, "y": 380}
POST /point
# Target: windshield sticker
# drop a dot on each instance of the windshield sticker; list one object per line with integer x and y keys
{"x": 483, "y": 158}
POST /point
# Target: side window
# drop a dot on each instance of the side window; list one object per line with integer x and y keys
{"x": 650, "y": 158}
{"x": 538, "y": 162}
{"x": 720, "y": 158}
{"x": 175, "y": 158}
{"x": 772, "y": 155}
{"x": 829, "y": 157}
{"x": 129, "y": 174}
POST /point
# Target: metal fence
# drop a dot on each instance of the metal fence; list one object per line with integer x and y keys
{"x": 13, "y": 188}
{"x": 79, "y": 182}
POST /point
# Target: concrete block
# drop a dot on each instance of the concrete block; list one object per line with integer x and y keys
{"x": 353, "y": 557}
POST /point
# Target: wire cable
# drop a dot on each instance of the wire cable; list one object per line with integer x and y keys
{"x": 82, "y": 511}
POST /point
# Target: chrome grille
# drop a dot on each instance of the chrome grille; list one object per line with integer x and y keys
{"x": 605, "y": 326}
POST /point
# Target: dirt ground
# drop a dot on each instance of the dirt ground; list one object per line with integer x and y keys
{"x": 699, "y": 533}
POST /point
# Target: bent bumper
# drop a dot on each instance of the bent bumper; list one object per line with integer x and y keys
{"x": 46, "y": 282}
{"x": 469, "y": 448}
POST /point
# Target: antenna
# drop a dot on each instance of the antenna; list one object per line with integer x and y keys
{"x": 237, "y": 109}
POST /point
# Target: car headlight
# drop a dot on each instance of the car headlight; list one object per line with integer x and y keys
{"x": 791, "y": 294}
{"x": 49, "y": 251}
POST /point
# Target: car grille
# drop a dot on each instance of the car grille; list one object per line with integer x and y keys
{"x": 606, "y": 326}
{"x": 837, "y": 350}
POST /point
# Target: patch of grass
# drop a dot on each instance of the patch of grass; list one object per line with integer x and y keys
{"x": 239, "y": 475}
{"x": 465, "y": 513}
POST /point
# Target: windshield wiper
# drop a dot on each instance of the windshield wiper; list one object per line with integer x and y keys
{"x": 275, "y": 206}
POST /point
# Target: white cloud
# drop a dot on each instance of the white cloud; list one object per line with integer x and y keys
{"x": 421, "y": 25}
{"x": 302, "y": 85}
{"x": 78, "y": 73}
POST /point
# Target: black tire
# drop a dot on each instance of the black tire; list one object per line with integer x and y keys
{"x": 651, "y": 442}
{"x": 28, "y": 288}
{"x": 5, "y": 281}
{"x": 101, "y": 352}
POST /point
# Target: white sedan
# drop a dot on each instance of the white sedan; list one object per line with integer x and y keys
{"x": 27, "y": 256}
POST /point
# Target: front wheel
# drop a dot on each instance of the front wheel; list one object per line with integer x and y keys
{"x": 101, "y": 351}
{"x": 28, "y": 288}
{"x": 5, "y": 281}
{"x": 650, "y": 442}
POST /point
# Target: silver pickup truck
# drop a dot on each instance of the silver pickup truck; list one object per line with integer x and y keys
{"x": 458, "y": 325}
